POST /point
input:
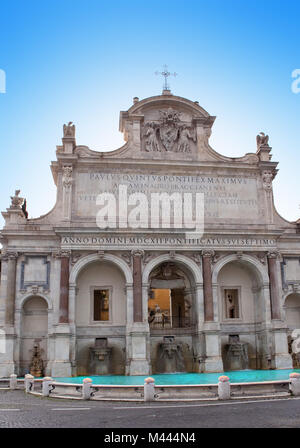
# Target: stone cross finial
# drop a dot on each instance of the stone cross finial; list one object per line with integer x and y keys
{"x": 165, "y": 73}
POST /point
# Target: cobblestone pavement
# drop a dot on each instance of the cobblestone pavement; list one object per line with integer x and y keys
{"x": 18, "y": 410}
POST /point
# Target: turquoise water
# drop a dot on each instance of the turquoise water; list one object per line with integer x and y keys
{"x": 238, "y": 376}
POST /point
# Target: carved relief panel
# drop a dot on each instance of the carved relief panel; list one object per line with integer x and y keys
{"x": 168, "y": 133}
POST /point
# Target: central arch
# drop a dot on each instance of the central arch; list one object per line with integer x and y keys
{"x": 181, "y": 259}
{"x": 173, "y": 307}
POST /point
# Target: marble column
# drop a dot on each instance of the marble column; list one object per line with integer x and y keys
{"x": 207, "y": 285}
{"x": 11, "y": 288}
{"x": 137, "y": 286}
{"x": 64, "y": 290}
{"x": 137, "y": 339}
{"x": 274, "y": 286}
{"x": 63, "y": 338}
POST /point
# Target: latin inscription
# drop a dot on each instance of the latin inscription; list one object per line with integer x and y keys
{"x": 225, "y": 197}
{"x": 119, "y": 240}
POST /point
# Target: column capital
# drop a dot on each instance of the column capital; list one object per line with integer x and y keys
{"x": 9, "y": 255}
{"x": 61, "y": 253}
{"x": 137, "y": 253}
{"x": 273, "y": 254}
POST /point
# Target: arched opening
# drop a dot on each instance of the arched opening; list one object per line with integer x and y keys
{"x": 292, "y": 317}
{"x": 170, "y": 298}
{"x": 292, "y": 311}
{"x": 171, "y": 317}
{"x": 100, "y": 319}
{"x": 241, "y": 307}
{"x": 34, "y": 336}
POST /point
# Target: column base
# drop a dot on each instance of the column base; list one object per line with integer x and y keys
{"x": 7, "y": 369}
{"x": 7, "y": 349}
{"x": 283, "y": 361}
{"x": 139, "y": 367}
{"x": 138, "y": 350}
{"x": 213, "y": 364}
{"x": 213, "y": 359}
{"x": 61, "y": 369}
{"x": 61, "y": 364}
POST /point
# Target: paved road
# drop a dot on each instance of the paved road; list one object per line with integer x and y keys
{"x": 18, "y": 410}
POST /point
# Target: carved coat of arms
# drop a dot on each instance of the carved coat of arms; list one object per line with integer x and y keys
{"x": 169, "y": 134}
{"x": 169, "y": 130}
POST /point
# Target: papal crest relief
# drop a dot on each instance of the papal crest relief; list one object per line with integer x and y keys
{"x": 168, "y": 134}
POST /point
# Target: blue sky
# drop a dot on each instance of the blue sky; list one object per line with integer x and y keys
{"x": 84, "y": 61}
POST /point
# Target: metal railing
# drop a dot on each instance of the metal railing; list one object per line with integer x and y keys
{"x": 174, "y": 322}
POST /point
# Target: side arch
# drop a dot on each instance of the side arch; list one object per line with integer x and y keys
{"x": 30, "y": 295}
{"x": 260, "y": 270}
{"x": 84, "y": 261}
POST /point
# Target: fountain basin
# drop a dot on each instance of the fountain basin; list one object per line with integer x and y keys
{"x": 241, "y": 376}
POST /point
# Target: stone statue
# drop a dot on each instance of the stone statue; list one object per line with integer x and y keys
{"x": 36, "y": 366}
{"x": 151, "y": 316}
{"x": 262, "y": 140}
{"x": 151, "y": 138}
{"x": 185, "y": 135}
{"x": 16, "y": 201}
{"x": 24, "y": 209}
{"x": 230, "y": 308}
{"x": 295, "y": 347}
{"x": 158, "y": 317}
{"x": 69, "y": 129}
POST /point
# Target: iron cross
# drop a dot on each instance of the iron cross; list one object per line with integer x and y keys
{"x": 165, "y": 73}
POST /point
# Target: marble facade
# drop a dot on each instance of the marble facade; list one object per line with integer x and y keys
{"x": 51, "y": 265}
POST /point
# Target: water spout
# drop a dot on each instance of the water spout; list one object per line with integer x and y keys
{"x": 236, "y": 357}
{"x": 170, "y": 356}
{"x": 100, "y": 356}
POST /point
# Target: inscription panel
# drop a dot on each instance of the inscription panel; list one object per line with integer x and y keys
{"x": 234, "y": 198}
{"x": 118, "y": 241}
